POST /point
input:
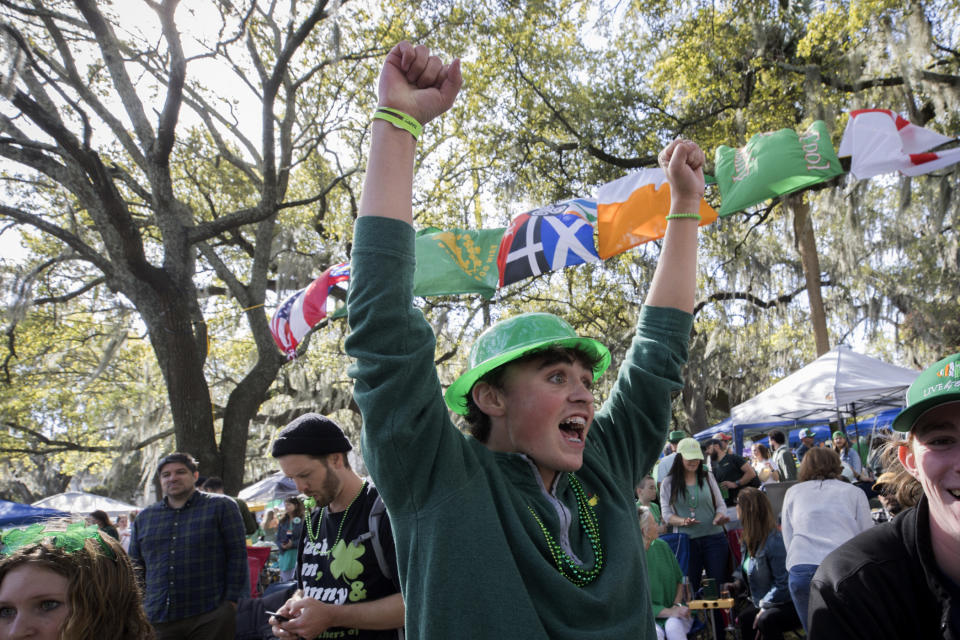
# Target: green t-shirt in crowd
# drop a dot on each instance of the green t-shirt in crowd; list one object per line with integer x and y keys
{"x": 663, "y": 576}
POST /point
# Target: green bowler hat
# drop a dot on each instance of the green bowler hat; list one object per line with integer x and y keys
{"x": 515, "y": 337}
{"x": 676, "y": 436}
{"x": 937, "y": 384}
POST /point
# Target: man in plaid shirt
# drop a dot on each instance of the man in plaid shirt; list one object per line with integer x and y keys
{"x": 192, "y": 554}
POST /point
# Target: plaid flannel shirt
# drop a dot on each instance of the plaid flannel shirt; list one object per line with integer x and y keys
{"x": 192, "y": 558}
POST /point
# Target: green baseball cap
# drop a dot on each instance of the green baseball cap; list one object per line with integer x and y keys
{"x": 689, "y": 449}
{"x": 807, "y": 433}
{"x": 513, "y": 338}
{"x": 676, "y": 436}
{"x": 839, "y": 434}
{"x": 937, "y": 384}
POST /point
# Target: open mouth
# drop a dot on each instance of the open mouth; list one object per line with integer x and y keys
{"x": 573, "y": 429}
{"x": 954, "y": 492}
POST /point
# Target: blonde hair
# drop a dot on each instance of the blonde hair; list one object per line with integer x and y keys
{"x": 105, "y": 599}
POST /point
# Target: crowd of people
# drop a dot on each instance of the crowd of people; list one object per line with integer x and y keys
{"x": 542, "y": 522}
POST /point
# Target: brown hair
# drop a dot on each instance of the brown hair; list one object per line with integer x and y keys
{"x": 102, "y": 518}
{"x": 180, "y": 457}
{"x": 104, "y": 597}
{"x": 903, "y": 486}
{"x": 820, "y": 463}
{"x": 762, "y": 450}
{"x": 297, "y": 509}
{"x": 756, "y": 517}
{"x": 270, "y": 517}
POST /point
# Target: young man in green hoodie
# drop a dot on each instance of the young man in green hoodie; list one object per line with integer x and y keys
{"x": 528, "y": 527}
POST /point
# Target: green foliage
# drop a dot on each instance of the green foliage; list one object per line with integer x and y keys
{"x": 560, "y": 96}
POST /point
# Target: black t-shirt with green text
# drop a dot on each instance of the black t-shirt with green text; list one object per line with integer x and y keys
{"x": 344, "y": 570}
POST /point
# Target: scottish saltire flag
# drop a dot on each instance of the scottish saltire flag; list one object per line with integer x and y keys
{"x": 774, "y": 164}
{"x": 455, "y": 261}
{"x": 633, "y": 209}
{"x": 545, "y": 239}
{"x": 882, "y": 141}
{"x": 300, "y": 312}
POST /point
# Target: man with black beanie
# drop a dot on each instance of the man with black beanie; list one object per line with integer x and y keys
{"x": 346, "y": 573}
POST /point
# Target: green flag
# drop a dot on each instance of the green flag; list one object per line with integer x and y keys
{"x": 774, "y": 164}
{"x": 457, "y": 261}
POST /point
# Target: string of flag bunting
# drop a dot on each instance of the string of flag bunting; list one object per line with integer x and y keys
{"x": 631, "y": 211}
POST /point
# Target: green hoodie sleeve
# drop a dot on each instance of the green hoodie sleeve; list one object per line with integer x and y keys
{"x": 408, "y": 438}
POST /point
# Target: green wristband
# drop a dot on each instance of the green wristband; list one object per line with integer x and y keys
{"x": 400, "y": 120}
{"x": 674, "y": 216}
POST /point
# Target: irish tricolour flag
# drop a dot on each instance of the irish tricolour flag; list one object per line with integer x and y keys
{"x": 632, "y": 210}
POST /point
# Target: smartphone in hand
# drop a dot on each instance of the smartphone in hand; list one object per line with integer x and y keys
{"x": 280, "y": 618}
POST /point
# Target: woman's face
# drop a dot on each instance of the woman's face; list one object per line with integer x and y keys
{"x": 290, "y": 508}
{"x": 933, "y": 458}
{"x": 33, "y": 603}
{"x": 691, "y": 465}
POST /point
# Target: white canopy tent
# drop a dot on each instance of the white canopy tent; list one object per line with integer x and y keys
{"x": 273, "y": 487}
{"x": 840, "y": 383}
{"x": 82, "y": 502}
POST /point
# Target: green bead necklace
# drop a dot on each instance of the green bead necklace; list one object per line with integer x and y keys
{"x": 310, "y": 503}
{"x": 573, "y": 572}
{"x": 693, "y": 498}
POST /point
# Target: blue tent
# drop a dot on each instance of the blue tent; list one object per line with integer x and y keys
{"x": 742, "y": 433}
{"x": 14, "y": 514}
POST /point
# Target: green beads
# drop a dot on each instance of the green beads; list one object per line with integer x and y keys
{"x": 573, "y": 572}
{"x": 313, "y": 535}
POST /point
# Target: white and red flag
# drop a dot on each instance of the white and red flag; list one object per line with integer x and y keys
{"x": 882, "y": 141}
{"x": 300, "y": 312}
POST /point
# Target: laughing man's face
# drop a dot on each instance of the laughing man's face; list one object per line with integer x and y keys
{"x": 933, "y": 458}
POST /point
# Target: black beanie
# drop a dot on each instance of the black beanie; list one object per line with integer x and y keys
{"x": 311, "y": 434}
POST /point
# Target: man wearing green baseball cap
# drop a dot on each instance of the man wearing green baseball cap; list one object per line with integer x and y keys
{"x": 902, "y": 578}
{"x": 528, "y": 527}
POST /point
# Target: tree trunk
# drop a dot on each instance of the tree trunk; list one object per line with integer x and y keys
{"x": 242, "y": 407}
{"x": 181, "y": 358}
{"x": 806, "y": 244}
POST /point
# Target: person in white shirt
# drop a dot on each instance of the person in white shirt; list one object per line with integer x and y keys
{"x": 819, "y": 514}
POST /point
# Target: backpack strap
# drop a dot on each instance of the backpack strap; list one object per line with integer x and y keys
{"x": 374, "y": 521}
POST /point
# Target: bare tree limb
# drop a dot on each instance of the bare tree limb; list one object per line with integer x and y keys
{"x": 110, "y": 50}
{"x": 87, "y": 252}
{"x": 59, "y": 446}
{"x": 753, "y": 299}
{"x": 96, "y": 282}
